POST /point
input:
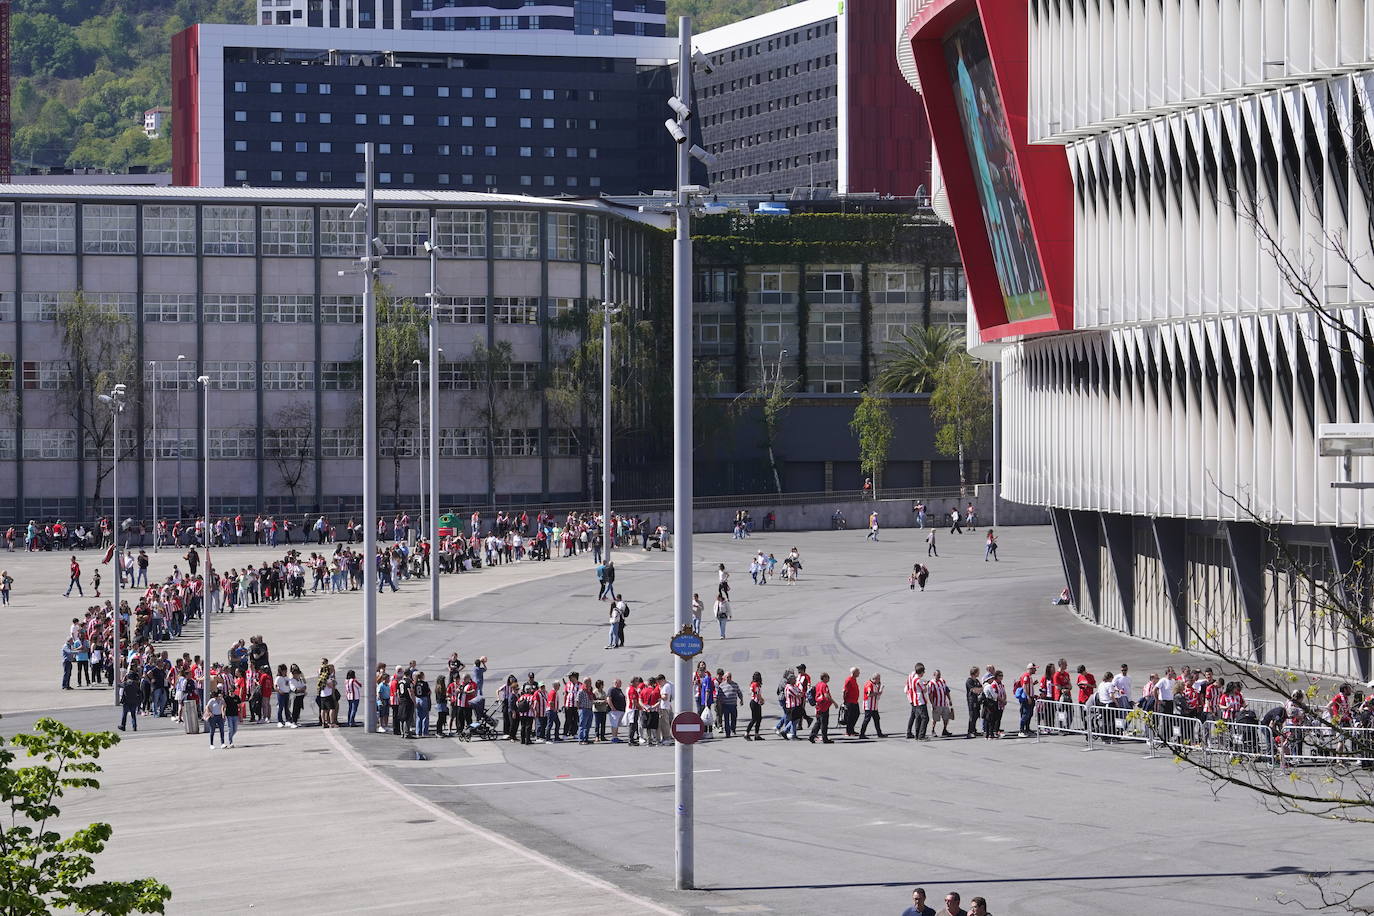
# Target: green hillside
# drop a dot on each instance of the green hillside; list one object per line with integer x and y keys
{"x": 84, "y": 72}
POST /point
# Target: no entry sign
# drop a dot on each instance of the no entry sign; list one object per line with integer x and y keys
{"x": 688, "y": 727}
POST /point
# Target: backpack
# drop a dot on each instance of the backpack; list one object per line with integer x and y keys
{"x": 811, "y": 695}
{"x": 625, "y": 611}
{"x": 522, "y": 705}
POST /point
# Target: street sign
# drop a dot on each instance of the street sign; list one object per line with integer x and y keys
{"x": 688, "y": 727}
{"x": 686, "y": 644}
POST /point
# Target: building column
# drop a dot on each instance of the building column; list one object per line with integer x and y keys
{"x": 1118, "y": 531}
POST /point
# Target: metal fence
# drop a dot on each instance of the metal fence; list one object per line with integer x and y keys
{"x": 1214, "y": 739}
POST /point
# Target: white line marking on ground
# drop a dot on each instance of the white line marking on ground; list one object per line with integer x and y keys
{"x": 462, "y": 823}
{"x": 521, "y": 782}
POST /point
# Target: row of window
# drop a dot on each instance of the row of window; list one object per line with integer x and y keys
{"x": 50, "y": 228}
{"x": 409, "y": 149}
{"x": 387, "y": 119}
{"x": 488, "y": 181}
{"x": 442, "y": 92}
{"x": 40, "y": 444}
{"x": 745, "y": 52}
{"x": 236, "y": 308}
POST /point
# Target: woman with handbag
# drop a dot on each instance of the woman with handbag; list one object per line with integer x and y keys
{"x": 722, "y": 610}
{"x": 296, "y": 685}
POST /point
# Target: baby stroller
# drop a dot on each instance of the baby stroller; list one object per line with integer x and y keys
{"x": 483, "y": 727}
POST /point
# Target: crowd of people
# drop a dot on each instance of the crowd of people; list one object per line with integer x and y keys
{"x": 977, "y": 906}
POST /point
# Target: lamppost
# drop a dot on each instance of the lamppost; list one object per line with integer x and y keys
{"x": 180, "y": 357}
{"x": 420, "y": 439}
{"x": 679, "y": 129}
{"x": 370, "y": 262}
{"x": 608, "y": 309}
{"x": 204, "y": 380}
{"x": 115, "y": 400}
{"x": 156, "y": 446}
{"x": 431, "y": 521}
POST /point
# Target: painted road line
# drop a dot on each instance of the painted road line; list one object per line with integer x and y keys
{"x": 521, "y": 782}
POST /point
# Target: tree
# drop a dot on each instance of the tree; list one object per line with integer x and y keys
{"x": 40, "y": 870}
{"x": 773, "y": 402}
{"x": 962, "y": 407}
{"x": 492, "y": 396}
{"x": 914, "y": 362}
{"x": 872, "y": 424}
{"x": 402, "y": 329}
{"x": 289, "y": 444}
{"x": 98, "y": 343}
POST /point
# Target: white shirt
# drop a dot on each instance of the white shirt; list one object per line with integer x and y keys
{"x": 1106, "y": 693}
{"x": 1165, "y": 688}
{"x": 1123, "y": 683}
{"x": 665, "y": 700}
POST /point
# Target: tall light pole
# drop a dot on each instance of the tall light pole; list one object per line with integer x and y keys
{"x": 205, "y": 601}
{"x": 420, "y": 440}
{"x": 370, "y": 263}
{"x": 607, "y": 310}
{"x": 156, "y": 445}
{"x": 180, "y": 357}
{"x": 679, "y": 128}
{"x": 996, "y": 436}
{"x": 431, "y": 522}
{"x": 115, "y": 399}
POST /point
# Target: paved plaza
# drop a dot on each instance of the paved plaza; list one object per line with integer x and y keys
{"x": 781, "y": 827}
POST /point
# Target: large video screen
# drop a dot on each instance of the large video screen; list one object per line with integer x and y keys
{"x": 1000, "y": 192}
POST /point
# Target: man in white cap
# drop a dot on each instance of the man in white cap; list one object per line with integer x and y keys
{"x": 1024, "y": 691}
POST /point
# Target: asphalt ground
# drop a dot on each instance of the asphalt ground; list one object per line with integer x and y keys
{"x": 340, "y": 821}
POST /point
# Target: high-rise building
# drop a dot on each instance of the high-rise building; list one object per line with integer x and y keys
{"x": 1163, "y": 211}
{"x": 581, "y": 17}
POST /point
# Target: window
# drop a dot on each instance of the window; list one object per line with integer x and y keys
{"x": 45, "y": 374}
{"x": 346, "y": 442}
{"x": 108, "y": 229}
{"x": 340, "y": 376}
{"x": 326, "y": 89}
{"x": 516, "y": 443}
{"x": 6, "y": 227}
{"x": 169, "y": 229}
{"x": 274, "y": 175}
{"x": 443, "y": 149}
{"x": 240, "y": 146}
{"x": 360, "y": 119}
{"x": 548, "y": 122}
{"x": 463, "y": 233}
{"x": 384, "y": 119}
{"x": 274, "y": 117}
{"x": 288, "y": 376}
{"x": 525, "y": 94}
{"x": 526, "y": 180}
{"x": 274, "y": 87}
{"x": 49, "y": 444}
{"x": 562, "y": 306}
{"x": 407, "y": 90}
{"x": 517, "y": 375}
{"x": 548, "y": 95}
{"x": 489, "y": 93}
{"x": 359, "y": 89}
{"x": 591, "y": 239}
{"x": 240, "y": 442}
{"x": 489, "y": 121}
{"x": 303, "y": 147}
{"x": 515, "y": 310}
{"x": 287, "y": 231}
{"x": 401, "y": 443}
{"x": 114, "y": 303}
{"x": 49, "y": 228}
{"x": 230, "y": 308}
{"x": 299, "y": 117}
{"x": 288, "y": 309}
{"x": 384, "y": 90}
{"x": 274, "y": 146}
{"x": 341, "y": 235}
{"x": 169, "y": 307}
{"x": 227, "y": 230}
{"x": 231, "y": 375}
{"x": 240, "y": 86}
{"x": 510, "y": 23}
{"x": 714, "y": 329}
{"x": 443, "y": 92}
{"x": 550, "y": 152}
{"x": 285, "y": 443}
{"x": 489, "y": 151}
{"x": 465, "y": 149}
{"x": 401, "y": 231}
{"x": 463, "y": 442}
{"x": 454, "y": 377}
{"x": 240, "y": 116}
{"x": 466, "y": 92}
{"x": 40, "y": 306}
{"x": 407, "y": 120}
{"x": 441, "y": 120}
{"x": 515, "y": 234}
{"x": 526, "y": 122}
{"x": 561, "y": 229}
{"x": 341, "y": 310}
{"x": 526, "y": 152}
{"x": 326, "y": 118}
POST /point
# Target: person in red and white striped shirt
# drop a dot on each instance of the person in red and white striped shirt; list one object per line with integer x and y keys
{"x": 793, "y": 702}
{"x": 919, "y": 719}
{"x": 873, "y": 692}
{"x": 941, "y": 704}
{"x": 568, "y": 703}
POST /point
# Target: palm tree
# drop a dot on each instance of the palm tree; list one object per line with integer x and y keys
{"x": 913, "y": 363}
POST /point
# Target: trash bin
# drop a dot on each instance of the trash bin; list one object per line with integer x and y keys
{"x": 190, "y": 715}
{"x": 448, "y": 525}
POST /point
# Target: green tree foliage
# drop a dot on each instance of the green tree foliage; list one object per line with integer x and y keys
{"x": 86, "y": 70}
{"x": 710, "y": 14}
{"x": 40, "y": 870}
{"x": 914, "y": 362}
{"x": 402, "y": 337}
{"x": 872, "y": 425}
{"x": 97, "y": 341}
{"x": 962, "y": 407}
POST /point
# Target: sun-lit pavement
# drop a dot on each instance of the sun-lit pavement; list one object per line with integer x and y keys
{"x": 782, "y": 827}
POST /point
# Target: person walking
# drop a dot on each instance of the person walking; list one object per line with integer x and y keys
{"x": 919, "y": 719}
{"x": 849, "y": 695}
{"x": 990, "y": 550}
{"x": 624, "y": 620}
{"x": 353, "y": 694}
{"x": 584, "y": 702}
{"x": 6, "y": 583}
{"x": 130, "y": 697}
{"x": 755, "y": 708}
{"x": 729, "y": 695}
{"x": 697, "y": 608}
{"x": 930, "y": 544}
{"x": 873, "y": 692}
{"x": 955, "y": 522}
{"x": 793, "y": 701}
{"x": 722, "y": 611}
{"x": 872, "y": 526}
{"x": 616, "y": 621}
{"x": 214, "y": 715}
{"x": 75, "y": 582}
{"x": 823, "y": 702}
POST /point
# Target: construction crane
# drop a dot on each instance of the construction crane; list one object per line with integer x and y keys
{"x": 6, "y": 130}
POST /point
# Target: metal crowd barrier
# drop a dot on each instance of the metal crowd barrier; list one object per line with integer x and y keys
{"x": 1293, "y": 745}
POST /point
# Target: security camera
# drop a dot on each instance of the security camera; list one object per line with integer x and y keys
{"x": 430, "y": 247}
{"x": 378, "y": 247}
{"x": 358, "y": 210}
{"x": 678, "y": 134}
{"x": 710, "y": 160}
{"x": 682, "y": 111}
{"x": 702, "y": 61}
